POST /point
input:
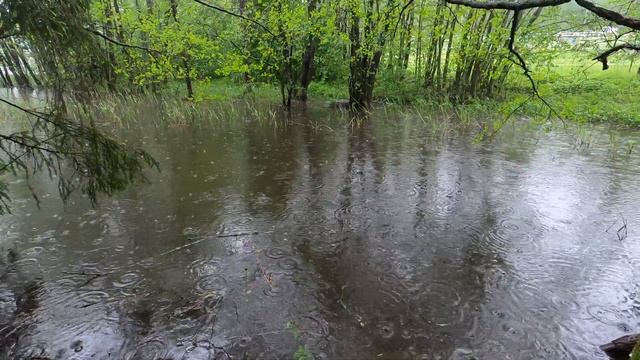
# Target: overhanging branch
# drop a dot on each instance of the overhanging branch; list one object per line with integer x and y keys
{"x": 517, "y": 6}
{"x": 607, "y": 14}
{"x": 604, "y": 57}
{"x": 231, "y": 13}
{"x": 507, "y": 4}
{"x": 404, "y": 8}
{"x": 119, "y": 43}
{"x": 610, "y": 15}
{"x": 521, "y": 63}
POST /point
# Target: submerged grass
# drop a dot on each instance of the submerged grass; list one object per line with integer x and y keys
{"x": 162, "y": 110}
{"x": 577, "y": 90}
{"x": 119, "y": 114}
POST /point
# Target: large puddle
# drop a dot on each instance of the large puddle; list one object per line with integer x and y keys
{"x": 313, "y": 239}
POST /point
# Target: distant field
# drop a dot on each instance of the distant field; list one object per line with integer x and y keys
{"x": 580, "y": 90}
{"x": 575, "y": 86}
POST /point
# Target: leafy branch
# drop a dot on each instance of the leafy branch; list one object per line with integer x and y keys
{"x": 75, "y": 153}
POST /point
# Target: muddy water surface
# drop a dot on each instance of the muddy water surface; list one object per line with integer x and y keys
{"x": 379, "y": 242}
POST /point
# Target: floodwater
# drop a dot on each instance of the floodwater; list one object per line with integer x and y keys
{"x": 310, "y": 238}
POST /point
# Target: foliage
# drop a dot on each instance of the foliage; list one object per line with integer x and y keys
{"x": 391, "y": 51}
{"x": 302, "y": 353}
{"x": 178, "y": 49}
{"x": 56, "y": 36}
{"x": 415, "y": 49}
{"x": 75, "y": 153}
{"x": 635, "y": 354}
{"x": 582, "y": 93}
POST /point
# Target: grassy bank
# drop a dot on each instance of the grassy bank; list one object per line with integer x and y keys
{"x": 576, "y": 88}
{"x": 579, "y": 90}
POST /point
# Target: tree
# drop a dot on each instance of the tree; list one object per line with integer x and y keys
{"x": 370, "y": 24}
{"x": 74, "y": 151}
{"x": 280, "y": 42}
{"x": 308, "y": 58}
{"x": 517, "y": 7}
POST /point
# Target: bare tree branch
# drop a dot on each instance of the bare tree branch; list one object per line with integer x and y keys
{"x": 604, "y": 57}
{"x": 517, "y": 6}
{"x": 607, "y": 14}
{"x": 404, "y": 8}
{"x": 507, "y": 4}
{"x": 38, "y": 114}
{"x": 217, "y": 8}
{"x": 523, "y": 64}
{"x": 610, "y": 15}
{"x": 23, "y": 142}
{"x": 119, "y": 43}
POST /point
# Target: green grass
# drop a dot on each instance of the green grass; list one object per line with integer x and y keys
{"x": 576, "y": 88}
{"x": 227, "y": 89}
{"x": 221, "y": 89}
{"x": 579, "y": 90}
{"x": 328, "y": 91}
{"x": 224, "y": 89}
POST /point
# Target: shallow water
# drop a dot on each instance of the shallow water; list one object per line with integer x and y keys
{"x": 314, "y": 238}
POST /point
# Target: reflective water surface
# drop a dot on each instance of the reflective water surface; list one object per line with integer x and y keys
{"x": 315, "y": 239}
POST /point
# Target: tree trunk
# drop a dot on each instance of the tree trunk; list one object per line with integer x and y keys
{"x": 109, "y": 69}
{"x": 447, "y": 56}
{"x": 364, "y": 63}
{"x": 307, "y": 67}
{"x": 418, "y": 52}
{"x": 406, "y": 51}
{"x": 430, "y": 63}
{"x": 364, "y": 70}
{"x": 185, "y": 58}
{"x": 354, "y": 40}
{"x": 308, "y": 58}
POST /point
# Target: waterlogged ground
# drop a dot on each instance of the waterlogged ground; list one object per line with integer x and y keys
{"x": 312, "y": 239}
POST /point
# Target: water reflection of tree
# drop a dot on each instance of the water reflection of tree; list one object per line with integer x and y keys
{"x": 20, "y": 297}
{"x": 359, "y": 279}
{"x": 272, "y": 161}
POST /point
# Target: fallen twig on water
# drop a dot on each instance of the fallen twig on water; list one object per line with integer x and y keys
{"x": 622, "y": 232}
{"x": 82, "y": 273}
{"x": 235, "y": 306}
{"x": 89, "y": 304}
{"x": 92, "y": 276}
{"x": 274, "y": 332}
{"x": 182, "y": 247}
{"x": 341, "y": 295}
{"x": 237, "y": 234}
{"x": 204, "y": 239}
{"x": 90, "y": 280}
